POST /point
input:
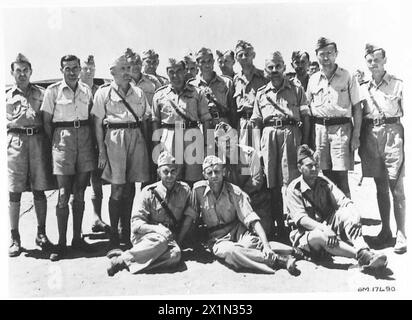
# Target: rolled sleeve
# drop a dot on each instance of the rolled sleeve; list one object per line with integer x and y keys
{"x": 98, "y": 109}
{"x": 303, "y": 102}
{"x": 295, "y": 205}
{"x": 354, "y": 91}
{"x": 48, "y": 103}
{"x": 203, "y": 109}
{"x": 257, "y": 117}
{"x": 244, "y": 210}
{"x": 155, "y": 110}
{"x": 141, "y": 214}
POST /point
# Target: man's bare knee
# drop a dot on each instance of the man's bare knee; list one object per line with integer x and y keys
{"x": 317, "y": 239}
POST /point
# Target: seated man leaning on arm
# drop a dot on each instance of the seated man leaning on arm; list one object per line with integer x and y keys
{"x": 159, "y": 224}
{"x": 235, "y": 232}
{"x": 325, "y": 218}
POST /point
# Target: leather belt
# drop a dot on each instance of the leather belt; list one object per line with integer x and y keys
{"x": 71, "y": 124}
{"x": 217, "y": 115}
{"x": 183, "y": 125}
{"x": 332, "y": 121}
{"x": 26, "y": 131}
{"x": 278, "y": 123}
{"x": 125, "y": 125}
{"x": 380, "y": 121}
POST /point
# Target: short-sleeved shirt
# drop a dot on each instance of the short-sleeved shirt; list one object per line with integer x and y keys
{"x": 290, "y": 98}
{"x": 66, "y": 105}
{"x": 387, "y": 95}
{"x": 220, "y": 88}
{"x": 334, "y": 97}
{"x": 245, "y": 91}
{"x": 108, "y": 105}
{"x": 23, "y": 109}
{"x": 149, "y": 84}
{"x": 190, "y": 102}
{"x": 232, "y": 204}
{"x": 148, "y": 209}
{"x": 325, "y": 199}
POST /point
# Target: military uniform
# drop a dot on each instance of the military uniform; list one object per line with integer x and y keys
{"x": 149, "y": 84}
{"x": 219, "y": 93}
{"x": 193, "y": 104}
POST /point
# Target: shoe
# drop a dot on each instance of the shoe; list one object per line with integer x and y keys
{"x": 15, "y": 247}
{"x": 81, "y": 245}
{"x": 400, "y": 246}
{"x": 287, "y": 262}
{"x": 59, "y": 252}
{"x": 383, "y": 238}
{"x": 369, "y": 260}
{"x": 114, "y": 253}
{"x": 100, "y": 226}
{"x": 43, "y": 242}
{"x": 116, "y": 264}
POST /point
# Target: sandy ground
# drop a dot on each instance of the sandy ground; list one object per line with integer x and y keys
{"x": 33, "y": 275}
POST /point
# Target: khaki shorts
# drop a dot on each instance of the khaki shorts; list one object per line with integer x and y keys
{"x": 128, "y": 160}
{"x": 333, "y": 146}
{"x": 29, "y": 163}
{"x": 73, "y": 151}
{"x": 381, "y": 150}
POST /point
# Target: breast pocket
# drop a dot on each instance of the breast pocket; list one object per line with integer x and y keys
{"x": 62, "y": 105}
{"x": 318, "y": 97}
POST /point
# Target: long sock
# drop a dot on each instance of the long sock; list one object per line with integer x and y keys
{"x": 40, "y": 207}
{"x": 115, "y": 209}
{"x": 78, "y": 210}
{"x": 97, "y": 206}
{"x": 384, "y": 210}
{"x": 14, "y": 214}
{"x": 62, "y": 219}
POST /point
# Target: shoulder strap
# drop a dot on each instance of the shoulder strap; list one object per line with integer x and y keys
{"x": 179, "y": 112}
{"x": 375, "y": 103}
{"x": 277, "y": 107}
{"x": 164, "y": 205}
{"x": 127, "y": 105}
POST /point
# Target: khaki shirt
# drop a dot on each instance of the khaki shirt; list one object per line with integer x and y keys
{"x": 334, "y": 97}
{"x": 325, "y": 195}
{"x": 163, "y": 80}
{"x": 109, "y": 106}
{"x": 220, "y": 88}
{"x": 149, "y": 84}
{"x": 23, "y": 110}
{"x": 66, "y": 105}
{"x": 148, "y": 209}
{"x": 387, "y": 95}
{"x": 232, "y": 204}
{"x": 191, "y": 102}
{"x": 245, "y": 91}
{"x": 290, "y": 98}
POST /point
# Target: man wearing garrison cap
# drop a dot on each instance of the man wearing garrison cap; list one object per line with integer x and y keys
{"x": 28, "y": 157}
{"x": 246, "y": 84}
{"x": 218, "y": 90}
{"x": 178, "y": 110}
{"x": 226, "y": 61}
{"x": 281, "y": 110}
{"x": 150, "y": 63}
{"x": 382, "y": 144}
{"x": 160, "y": 222}
{"x": 324, "y": 218}
{"x": 121, "y": 112}
{"x": 235, "y": 232}
{"x": 333, "y": 95}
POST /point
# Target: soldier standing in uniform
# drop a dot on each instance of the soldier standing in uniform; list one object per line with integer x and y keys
{"x": 121, "y": 112}
{"x": 178, "y": 107}
{"x": 226, "y": 61}
{"x": 161, "y": 220}
{"x": 333, "y": 95}
{"x": 382, "y": 143}
{"x": 27, "y": 152}
{"x": 282, "y": 111}
{"x": 246, "y": 84}
{"x": 88, "y": 69}
{"x": 191, "y": 66}
{"x": 235, "y": 232}
{"x": 300, "y": 63}
{"x": 150, "y": 63}
{"x": 66, "y": 112}
{"x": 217, "y": 89}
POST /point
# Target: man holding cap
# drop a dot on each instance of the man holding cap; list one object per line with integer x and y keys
{"x": 226, "y": 61}
{"x": 218, "y": 90}
{"x": 246, "y": 84}
{"x": 177, "y": 110}
{"x": 325, "y": 219}
{"x": 120, "y": 114}
{"x": 150, "y": 63}
{"x": 159, "y": 224}
{"x": 333, "y": 95}
{"x": 235, "y": 232}
{"x": 382, "y": 143}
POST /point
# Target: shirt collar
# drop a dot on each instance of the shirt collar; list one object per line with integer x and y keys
{"x": 270, "y": 87}
{"x": 187, "y": 87}
{"x": 215, "y": 77}
{"x": 208, "y": 189}
{"x": 80, "y": 86}
{"x": 115, "y": 86}
{"x": 303, "y": 185}
{"x": 386, "y": 78}
{"x": 337, "y": 73}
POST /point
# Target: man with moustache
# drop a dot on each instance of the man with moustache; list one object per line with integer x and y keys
{"x": 66, "y": 113}
{"x": 218, "y": 90}
{"x": 281, "y": 111}
{"x": 121, "y": 112}
{"x": 161, "y": 220}
{"x": 150, "y": 63}
{"x": 27, "y": 153}
{"x": 333, "y": 95}
{"x": 226, "y": 61}
{"x": 246, "y": 84}
{"x": 382, "y": 144}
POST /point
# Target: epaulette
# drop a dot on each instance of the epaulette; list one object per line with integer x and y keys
{"x": 261, "y": 88}
{"x": 161, "y": 88}
{"x": 8, "y": 89}
{"x": 104, "y": 85}
{"x": 225, "y": 77}
{"x": 55, "y": 84}
{"x": 297, "y": 185}
{"x": 199, "y": 184}
{"x": 38, "y": 87}
{"x": 236, "y": 189}
{"x": 150, "y": 77}
{"x": 395, "y": 78}
{"x": 150, "y": 186}
{"x": 295, "y": 82}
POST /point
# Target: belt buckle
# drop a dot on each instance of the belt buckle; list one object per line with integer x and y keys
{"x": 183, "y": 125}
{"x": 215, "y": 115}
{"x": 324, "y": 121}
{"x": 377, "y": 121}
{"x": 278, "y": 123}
{"x": 29, "y": 131}
{"x": 76, "y": 124}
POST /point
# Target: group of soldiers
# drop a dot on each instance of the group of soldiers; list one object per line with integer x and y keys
{"x": 237, "y": 155}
